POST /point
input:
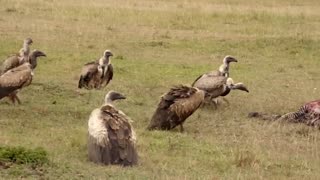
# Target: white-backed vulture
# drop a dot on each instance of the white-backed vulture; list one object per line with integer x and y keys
{"x": 308, "y": 114}
{"x": 25, "y": 50}
{"x": 14, "y": 75}
{"x": 216, "y": 86}
{"x": 14, "y": 61}
{"x": 97, "y": 74}
{"x": 175, "y": 107}
{"x": 17, "y": 59}
{"x": 223, "y": 68}
{"x": 111, "y": 138}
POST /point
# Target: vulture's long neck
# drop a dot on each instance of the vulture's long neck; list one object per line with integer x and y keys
{"x": 104, "y": 61}
{"x": 224, "y": 68}
{"x": 108, "y": 102}
{"x": 33, "y": 61}
{"x": 226, "y": 91}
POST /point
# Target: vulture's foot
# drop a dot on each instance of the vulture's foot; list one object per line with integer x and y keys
{"x": 181, "y": 128}
{"x": 14, "y": 98}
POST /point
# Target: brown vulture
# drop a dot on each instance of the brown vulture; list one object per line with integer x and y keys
{"x": 111, "y": 138}
{"x": 97, "y": 74}
{"x": 175, "y": 107}
{"x": 12, "y": 80}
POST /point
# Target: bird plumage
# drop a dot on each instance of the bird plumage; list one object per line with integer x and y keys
{"x": 15, "y": 79}
{"x": 175, "y": 107}
{"x": 111, "y": 138}
{"x": 97, "y": 74}
{"x": 216, "y": 86}
{"x": 15, "y": 72}
{"x": 10, "y": 63}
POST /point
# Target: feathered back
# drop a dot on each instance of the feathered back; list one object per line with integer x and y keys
{"x": 88, "y": 73}
{"x": 175, "y": 107}
{"x": 14, "y": 79}
{"x": 10, "y": 63}
{"x": 111, "y": 138}
{"x": 213, "y": 85}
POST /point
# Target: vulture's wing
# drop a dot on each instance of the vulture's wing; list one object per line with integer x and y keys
{"x": 175, "y": 106}
{"x": 90, "y": 67}
{"x": 209, "y": 74}
{"x": 187, "y": 102}
{"x": 121, "y": 137}
{"x": 210, "y": 83}
{"x": 120, "y": 147}
{"x": 108, "y": 76}
{"x": 14, "y": 79}
{"x": 10, "y": 63}
{"x": 87, "y": 74}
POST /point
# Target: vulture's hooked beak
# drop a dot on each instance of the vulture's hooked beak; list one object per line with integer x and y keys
{"x": 42, "y": 54}
{"x": 244, "y": 89}
{"x": 120, "y": 96}
{"x": 233, "y": 60}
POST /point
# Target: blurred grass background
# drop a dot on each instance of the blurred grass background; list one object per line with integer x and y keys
{"x": 158, "y": 44}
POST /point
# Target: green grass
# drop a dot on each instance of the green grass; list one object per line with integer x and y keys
{"x": 158, "y": 44}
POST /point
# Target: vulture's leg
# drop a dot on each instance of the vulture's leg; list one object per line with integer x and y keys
{"x": 214, "y": 102}
{"x": 13, "y": 97}
{"x": 17, "y": 98}
{"x": 226, "y": 100}
{"x": 89, "y": 97}
{"x": 181, "y": 128}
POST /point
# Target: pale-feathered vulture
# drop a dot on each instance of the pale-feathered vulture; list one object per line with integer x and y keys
{"x": 25, "y": 50}
{"x": 15, "y": 61}
{"x": 111, "y": 138}
{"x": 97, "y": 74}
{"x": 224, "y": 67}
{"x": 14, "y": 79}
{"x": 175, "y": 107}
{"x": 216, "y": 86}
{"x": 308, "y": 114}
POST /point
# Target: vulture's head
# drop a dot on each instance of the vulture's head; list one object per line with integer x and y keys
{"x": 37, "y": 53}
{"x": 107, "y": 53}
{"x": 28, "y": 41}
{"x": 239, "y": 86}
{"x": 229, "y": 59}
{"x": 113, "y": 96}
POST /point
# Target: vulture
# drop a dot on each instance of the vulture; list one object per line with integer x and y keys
{"x": 111, "y": 138}
{"x": 216, "y": 86}
{"x": 309, "y": 114}
{"x": 97, "y": 74}
{"x": 15, "y": 79}
{"x": 175, "y": 107}
{"x": 12, "y": 80}
{"x": 17, "y": 59}
{"x": 224, "y": 67}
{"x": 25, "y": 50}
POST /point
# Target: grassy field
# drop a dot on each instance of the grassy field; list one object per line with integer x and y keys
{"x": 158, "y": 44}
